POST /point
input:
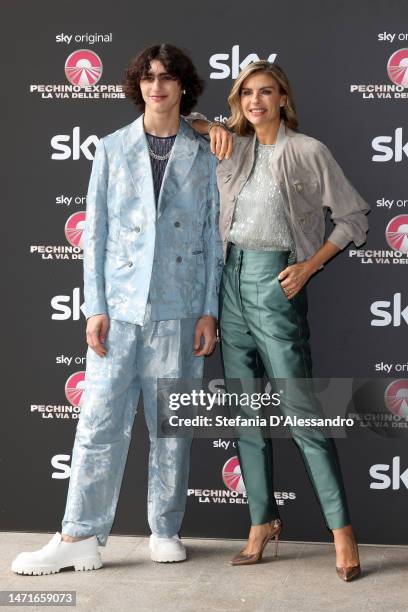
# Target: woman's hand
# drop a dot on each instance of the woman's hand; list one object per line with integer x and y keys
{"x": 220, "y": 142}
{"x": 294, "y": 277}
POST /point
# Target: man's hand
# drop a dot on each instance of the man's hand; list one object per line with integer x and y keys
{"x": 294, "y": 277}
{"x": 220, "y": 142}
{"x": 96, "y": 331}
{"x": 206, "y": 327}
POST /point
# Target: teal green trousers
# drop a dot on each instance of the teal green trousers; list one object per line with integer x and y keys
{"x": 263, "y": 332}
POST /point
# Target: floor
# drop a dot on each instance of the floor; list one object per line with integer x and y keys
{"x": 301, "y": 578}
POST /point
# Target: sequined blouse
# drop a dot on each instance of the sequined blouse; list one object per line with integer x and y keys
{"x": 260, "y": 220}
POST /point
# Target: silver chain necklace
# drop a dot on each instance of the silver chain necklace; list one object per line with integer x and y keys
{"x": 156, "y": 156}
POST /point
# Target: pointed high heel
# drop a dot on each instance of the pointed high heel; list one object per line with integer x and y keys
{"x": 348, "y": 573}
{"x": 244, "y": 559}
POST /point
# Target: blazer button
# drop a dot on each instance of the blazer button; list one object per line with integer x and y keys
{"x": 179, "y": 259}
{"x": 177, "y": 224}
{"x": 137, "y": 229}
{"x": 130, "y": 264}
{"x": 299, "y": 187}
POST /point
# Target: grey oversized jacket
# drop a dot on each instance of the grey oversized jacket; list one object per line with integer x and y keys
{"x": 310, "y": 181}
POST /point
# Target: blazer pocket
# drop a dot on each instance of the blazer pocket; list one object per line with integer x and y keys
{"x": 309, "y": 221}
{"x": 306, "y": 198}
{"x": 305, "y": 189}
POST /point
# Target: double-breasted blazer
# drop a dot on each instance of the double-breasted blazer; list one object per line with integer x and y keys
{"x": 134, "y": 249}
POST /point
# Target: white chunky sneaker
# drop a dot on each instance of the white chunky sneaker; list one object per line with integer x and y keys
{"x": 166, "y": 550}
{"x": 54, "y": 556}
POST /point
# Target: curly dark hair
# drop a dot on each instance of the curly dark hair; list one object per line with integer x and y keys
{"x": 176, "y": 62}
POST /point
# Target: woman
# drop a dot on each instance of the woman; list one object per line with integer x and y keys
{"x": 275, "y": 189}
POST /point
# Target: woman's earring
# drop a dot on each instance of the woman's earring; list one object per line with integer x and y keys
{"x": 184, "y": 91}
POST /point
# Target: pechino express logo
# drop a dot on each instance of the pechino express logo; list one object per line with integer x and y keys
{"x": 397, "y": 72}
{"x": 74, "y": 228}
{"x": 83, "y": 69}
{"x": 396, "y": 397}
{"x": 234, "y": 491}
{"x": 380, "y": 407}
{"x": 396, "y": 235}
{"x": 397, "y": 67}
{"x": 232, "y": 477}
{"x": 74, "y": 388}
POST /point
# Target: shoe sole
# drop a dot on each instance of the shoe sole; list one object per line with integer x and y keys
{"x": 162, "y": 559}
{"x": 79, "y": 566}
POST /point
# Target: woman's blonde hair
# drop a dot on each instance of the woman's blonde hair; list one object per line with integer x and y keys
{"x": 238, "y": 122}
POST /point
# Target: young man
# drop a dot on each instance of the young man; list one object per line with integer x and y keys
{"x": 152, "y": 266}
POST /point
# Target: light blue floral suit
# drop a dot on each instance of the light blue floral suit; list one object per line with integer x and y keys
{"x": 154, "y": 271}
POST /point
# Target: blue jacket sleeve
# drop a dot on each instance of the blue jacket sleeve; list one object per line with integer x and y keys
{"x": 95, "y": 233}
{"x": 212, "y": 246}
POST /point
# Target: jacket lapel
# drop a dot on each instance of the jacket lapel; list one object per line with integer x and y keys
{"x": 178, "y": 167}
{"x": 281, "y": 140}
{"x": 137, "y": 157}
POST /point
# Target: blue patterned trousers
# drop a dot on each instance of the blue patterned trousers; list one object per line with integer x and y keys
{"x": 137, "y": 356}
